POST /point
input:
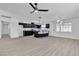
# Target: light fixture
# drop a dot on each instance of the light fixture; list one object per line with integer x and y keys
{"x": 61, "y": 22}
{"x": 36, "y": 11}
{"x": 58, "y": 21}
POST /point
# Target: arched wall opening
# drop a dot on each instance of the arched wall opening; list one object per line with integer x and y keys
{"x": 5, "y": 29}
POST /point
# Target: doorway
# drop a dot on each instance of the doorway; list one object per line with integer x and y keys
{"x": 5, "y": 29}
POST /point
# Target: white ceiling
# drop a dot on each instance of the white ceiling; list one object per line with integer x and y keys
{"x": 66, "y": 10}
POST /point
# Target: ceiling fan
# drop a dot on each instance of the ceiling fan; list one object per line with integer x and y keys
{"x": 36, "y": 8}
{"x": 61, "y": 20}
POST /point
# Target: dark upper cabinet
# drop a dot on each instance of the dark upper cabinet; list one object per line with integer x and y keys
{"x": 47, "y": 25}
{"x": 27, "y": 25}
{"x": 37, "y": 26}
{"x": 32, "y": 25}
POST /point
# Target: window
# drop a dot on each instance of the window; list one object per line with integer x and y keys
{"x": 66, "y": 27}
{"x": 57, "y": 27}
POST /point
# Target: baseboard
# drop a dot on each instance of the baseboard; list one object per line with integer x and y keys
{"x": 66, "y": 37}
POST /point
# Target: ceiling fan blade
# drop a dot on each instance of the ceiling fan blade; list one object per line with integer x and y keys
{"x": 32, "y": 5}
{"x": 36, "y": 5}
{"x": 42, "y": 10}
{"x": 32, "y": 12}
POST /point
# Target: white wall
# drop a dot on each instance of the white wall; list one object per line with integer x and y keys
{"x": 75, "y": 30}
{"x": 5, "y": 28}
{"x": 20, "y": 29}
{"x": 0, "y": 28}
{"x": 13, "y": 23}
{"x": 13, "y": 26}
{"x": 14, "y": 29}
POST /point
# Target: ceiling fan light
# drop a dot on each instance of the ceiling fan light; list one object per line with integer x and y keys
{"x": 58, "y": 21}
{"x": 36, "y": 11}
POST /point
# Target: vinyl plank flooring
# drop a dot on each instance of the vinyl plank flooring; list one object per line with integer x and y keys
{"x": 47, "y": 46}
